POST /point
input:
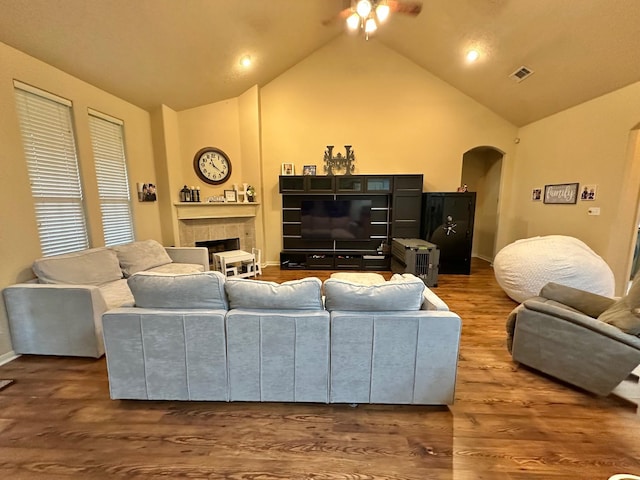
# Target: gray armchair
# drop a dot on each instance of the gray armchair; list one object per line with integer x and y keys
{"x": 585, "y": 339}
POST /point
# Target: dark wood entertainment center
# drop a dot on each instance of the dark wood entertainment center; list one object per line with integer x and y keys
{"x": 396, "y": 204}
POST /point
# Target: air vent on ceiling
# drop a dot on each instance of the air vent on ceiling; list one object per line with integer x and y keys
{"x": 521, "y": 73}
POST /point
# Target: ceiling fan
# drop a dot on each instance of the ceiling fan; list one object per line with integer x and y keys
{"x": 367, "y": 15}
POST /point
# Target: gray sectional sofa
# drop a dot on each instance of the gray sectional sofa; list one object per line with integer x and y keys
{"x": 205, "y": 337}
{"x": 60, "y": 311}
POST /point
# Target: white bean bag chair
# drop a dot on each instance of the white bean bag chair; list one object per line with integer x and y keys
{"x": 525, "y": 266}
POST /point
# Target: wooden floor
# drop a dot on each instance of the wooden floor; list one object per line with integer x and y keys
{"x": 57, "y": 422}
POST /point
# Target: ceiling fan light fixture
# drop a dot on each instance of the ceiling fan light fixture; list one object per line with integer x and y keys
{"x": 353, "y": 21}
{"x": 382, "y": 12}
{"x": 363, "y": 7}
{"x": 370, "y": 25}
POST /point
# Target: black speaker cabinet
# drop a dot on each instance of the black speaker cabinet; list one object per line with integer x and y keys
{"x": 447, "y": 221}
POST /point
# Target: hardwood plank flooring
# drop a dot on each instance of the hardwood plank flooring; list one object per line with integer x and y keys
{"x": 57, "y": 421}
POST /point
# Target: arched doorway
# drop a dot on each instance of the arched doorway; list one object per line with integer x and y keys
{"x": 482, "y": 172}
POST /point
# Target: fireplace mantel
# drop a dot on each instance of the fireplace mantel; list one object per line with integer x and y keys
{"x": 193, "y": 211}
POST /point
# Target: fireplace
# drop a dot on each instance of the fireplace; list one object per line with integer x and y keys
{"x": 222, "y": 245}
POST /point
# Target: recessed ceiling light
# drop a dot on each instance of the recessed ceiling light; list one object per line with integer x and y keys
{"x": 245, "y": 61}
{"x": 472, "y": 56}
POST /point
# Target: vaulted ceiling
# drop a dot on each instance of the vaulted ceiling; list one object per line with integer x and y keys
{"x": 185, "y": 53}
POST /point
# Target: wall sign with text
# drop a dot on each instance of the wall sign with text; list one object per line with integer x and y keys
{"x": 561, "y": 193}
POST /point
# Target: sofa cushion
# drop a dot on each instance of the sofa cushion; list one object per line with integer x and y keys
{"x": 139, "y": 256}
{"x": 117, "y": 294}
{"x": 95, "y": 266}
{"x": 294, "y": 295}
{"x": 193, "y": 290}
{"x": 406, "y": 295}
{"x": 625, "y": 312}
{"x": 177, "y": 268}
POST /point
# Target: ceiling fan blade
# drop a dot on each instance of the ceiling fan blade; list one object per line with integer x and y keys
{"x": 406, "y": 7}
{"x": 342, "y": 15}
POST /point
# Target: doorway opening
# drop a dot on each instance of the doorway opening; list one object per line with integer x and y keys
{"x": 482, "y": 173}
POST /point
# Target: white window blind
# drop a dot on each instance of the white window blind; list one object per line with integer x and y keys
{"x": 50, "y": 150}
{"x": 113, "y": 184}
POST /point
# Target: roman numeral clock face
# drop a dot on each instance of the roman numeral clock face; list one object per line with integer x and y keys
{"x": 212, "y": 165}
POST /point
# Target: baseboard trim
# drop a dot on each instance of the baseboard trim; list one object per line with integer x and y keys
{"x": 8, "y": 357}
{"x": 483, "y": 257}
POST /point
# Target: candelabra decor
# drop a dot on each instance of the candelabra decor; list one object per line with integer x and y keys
{"x": 339, "y": 165}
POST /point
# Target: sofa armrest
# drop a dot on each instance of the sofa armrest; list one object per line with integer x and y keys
{"x": 47, "y": 319}
{"x": 195, "y": 255}
{"x": 432, "y": 302}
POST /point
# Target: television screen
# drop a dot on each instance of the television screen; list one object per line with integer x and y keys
{"x": 336, "y": 219}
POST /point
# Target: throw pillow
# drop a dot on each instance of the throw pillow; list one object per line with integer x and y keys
{"x": 163, "y": 290}
{"x": 139, "y": 256}
{"x": 625, "y": 313}
{"x": 390, "y": 296}
{"x": 256, "y": 294}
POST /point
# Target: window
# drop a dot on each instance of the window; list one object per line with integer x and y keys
{"x": 113, "y": 184}
{"x": 50, "y": 150}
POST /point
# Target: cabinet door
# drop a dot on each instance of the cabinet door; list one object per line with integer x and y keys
{"x": 350, "y": 183}
{"x": 291, "y": 183}
{"x": 378, "y": 184}
{"x": 405, "y": 217}
{"x": 408, "y": 183}
{"x": 448, "y": 222}
{"x": 319, "y": 184}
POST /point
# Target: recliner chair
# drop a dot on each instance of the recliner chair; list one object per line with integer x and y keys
{"x": 585, "y": 339}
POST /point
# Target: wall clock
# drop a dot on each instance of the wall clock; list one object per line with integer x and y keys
{"x": 212, "y": 165}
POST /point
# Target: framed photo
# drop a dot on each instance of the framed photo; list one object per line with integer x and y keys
{"x": 588, "y": 192}
{"x": 288, "y": 169}
{"x": 561, "y": 193}
{"x": 146, "y": 192}
{"x": 309, "y": 170}
{"x": 231, "y": 196}
{"x": 536, "y": 194}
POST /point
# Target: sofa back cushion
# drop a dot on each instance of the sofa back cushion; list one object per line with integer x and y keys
{"x": 194, "y": 290}
{"x": 406, "y": 295}
{"x": 95, "y": 266}
{"x": 302, "y": 294}
{"x": 139, "y": 256}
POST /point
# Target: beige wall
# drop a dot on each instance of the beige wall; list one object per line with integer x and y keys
{"x": 19, "y": 243}
{"x": 589, "y": 144}
{"x": 398, "y": 117}
{"x": 213, "y": 125}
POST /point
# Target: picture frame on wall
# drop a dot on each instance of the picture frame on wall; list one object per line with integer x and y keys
{"x": 561, "y": 193}
{"x": 288, "y": 169}
{"x": 231, "y": 196}
{"x": 536, "y": 194}
{"x": 147, "y": 192}
{"x": 588, "y": 192}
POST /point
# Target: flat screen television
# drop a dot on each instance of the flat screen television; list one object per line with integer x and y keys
{"x": 335, "y": 219}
